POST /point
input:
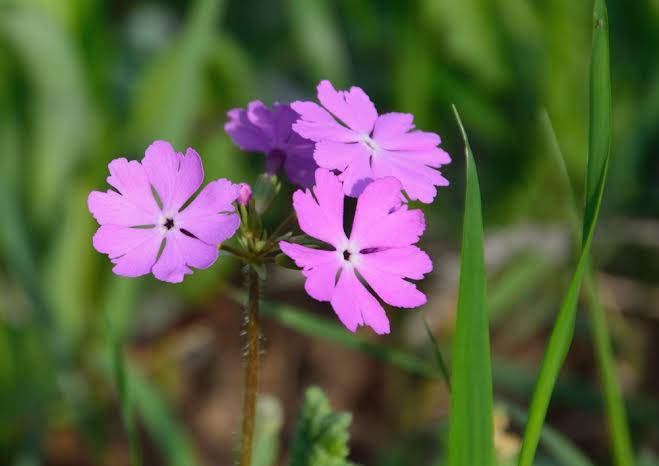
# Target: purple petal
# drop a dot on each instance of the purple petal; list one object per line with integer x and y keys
{"x": 244, "y": 133}
{"x": 211, "y": 216}
{"x": 174, "y": 176}
{"x": 180, "y": 253}
{"x": 353, "y": 107}
{"x": 380, "y": 222}
{"x": 322, "y": 216}
{"x": 300, "y": 166}
{"x": 319, "y": 267}
{"x": 132, "y": 250}
{"x": 317, "y": 124}
{"x": 355, "y": 306}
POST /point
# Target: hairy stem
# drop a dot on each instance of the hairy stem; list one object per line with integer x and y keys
{"x": 252, "y": 369}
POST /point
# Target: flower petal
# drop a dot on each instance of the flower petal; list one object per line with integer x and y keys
{"x": 322, "y": 216}
{"x": 393, "y": 289}
{"x": 174, "y": 176}
{"x": 390, "y": 125}
{"x": 414, "y": 140}
{"x": 319, "y": 267}
{"x": 300, "y": 166}
{"x": 180, "y": 253}
{"x": 244, "y": 133}
{"x": 409, "y": 261}
{"x": 317, "y": 124}
{"x": 133, "y": 204}
{"x": 353, "y": 107}
{"x": 132, "y": 250}
{"x": 338, "y": 155}
{"x": 418, "y": 179}
{"x": 357, "y": 176}
{"x": 380, "y": 220}
{"x": 211, "y": 216}
{"x": 355, "y": 306}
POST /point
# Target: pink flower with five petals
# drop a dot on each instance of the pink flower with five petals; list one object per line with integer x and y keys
{"x": 379, "y": 251}
{"x": 364, "y": 146}
{"x": 134, "y": 224}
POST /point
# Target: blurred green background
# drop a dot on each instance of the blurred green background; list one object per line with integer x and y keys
{"x": 83, "y": 82}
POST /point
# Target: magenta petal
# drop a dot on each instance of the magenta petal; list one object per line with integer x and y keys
{"x": 418, "y": 180}
{"x": 393, "y": 289}
{"x": 356, "y": 176}
{"x": 414, "y": 140}
{"x": 322, "y": 216}
{"x": 409, "y": 261}
{"x": 353, "y": 107}
{"x": 319, "y": 268}
{"x": 355, "y": 306}
{"x": 112, "y": 208}
{"x": 174, "y": 176}
{"x": 133, "y": 204}
{"x": 317, "y": 124}
{"x": 301, "y": 167}
{"x": 380, "y": 222}
{"x": 180, "y": 253}
{"x": 211, "y": 216}
{"x": 132, "y": 250}
{"x": 390, "y": 125}
{"x": 338, "y": 155}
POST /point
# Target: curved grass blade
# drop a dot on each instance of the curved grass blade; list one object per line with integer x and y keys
{"x": 470, "y": 438}
{"x": 438, "y": 354}
{"x": 597, "y": 165}
{"x": 613, "y": 400}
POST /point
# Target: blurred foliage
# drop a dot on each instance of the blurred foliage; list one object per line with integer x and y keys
{"x": 321, "y": 436}
{"x": 83, "y": 82}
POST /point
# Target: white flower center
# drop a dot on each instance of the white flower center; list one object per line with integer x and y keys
{"x": 167, "y": 223}
{"x": 370, "y": 143}
{"x": 349, "y": 255}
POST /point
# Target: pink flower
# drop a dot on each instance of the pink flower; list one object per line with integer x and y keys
{"x": 364, "y": 146}
{"x": 380, "y": 250}
{"x": 260, "y": 129}
{"x": 147, "y": 209}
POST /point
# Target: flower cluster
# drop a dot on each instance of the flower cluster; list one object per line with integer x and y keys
{"x": 336, "y": 149}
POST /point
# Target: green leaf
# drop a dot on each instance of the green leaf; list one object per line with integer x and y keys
{"x": 269, "y": 421}
{"x": 597, "y": 164}
{"x": 471, "y": 436}
{"x": 168, "y": 95}
{"x": 321, "y": 436}
{"x": 614, "y": 404}
{"x": 325, "y": 54}
{"x": 60, "y": 110}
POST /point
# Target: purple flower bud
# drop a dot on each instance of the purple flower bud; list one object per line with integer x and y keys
{"x": 245, "y": 194}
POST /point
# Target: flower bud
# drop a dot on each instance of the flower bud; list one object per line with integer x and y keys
{"x": 245, "y": 194}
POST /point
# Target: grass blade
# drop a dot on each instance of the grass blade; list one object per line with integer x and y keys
{"x": 470, "y": 438}
{"x": 122, "y": 291}
{"x": 597, "y": 165}
{"x": 438, "y": 354}
{"x": 613, "y": 401}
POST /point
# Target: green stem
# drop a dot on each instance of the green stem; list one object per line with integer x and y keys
{"x": 278, "y": 231}
{"x": 252, "y": 369}
{"x": 234, "y": 252}
{"x": 123, "y": 393}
